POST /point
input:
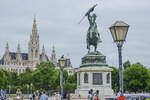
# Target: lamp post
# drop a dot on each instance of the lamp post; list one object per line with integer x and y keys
{"x": 62, "y": 62}
{"x": 27, "y": 88}
{"x": 9, "y": 88}
{"x": 31, "y": 87}
{"x": 119, "y": 32}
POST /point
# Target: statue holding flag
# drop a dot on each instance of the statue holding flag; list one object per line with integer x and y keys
{"x": 93, "y": 37}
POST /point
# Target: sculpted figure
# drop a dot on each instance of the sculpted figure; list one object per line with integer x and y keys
{"x": 93, "y": 37}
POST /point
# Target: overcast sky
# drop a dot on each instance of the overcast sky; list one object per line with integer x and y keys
{"x": 57, "y": 22}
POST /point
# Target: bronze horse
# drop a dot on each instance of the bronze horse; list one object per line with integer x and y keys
{"x": 93, "y": 37}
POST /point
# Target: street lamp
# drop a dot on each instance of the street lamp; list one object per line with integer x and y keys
{"x": 9, "y": 88}
{"x": 119, "y": 32}
{"x": 62, "y": 62}
{"x": 27, "y": 88}
{"x": 31, "y": 87}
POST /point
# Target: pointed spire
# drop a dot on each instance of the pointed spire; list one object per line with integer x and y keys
{"x": 53, "y": 48}
{"x": 53, "y": 56}
{"x": 7, "y": 56}
{"x": 7, "y": 47}
{"x": 43, "y": 50}
{"x": 19, "y": 58}
{"x": 34, "y": 44}
{"x": 18, "y": 48}
{"x": 34, "y": 27}
{"x": 43, "y": 54}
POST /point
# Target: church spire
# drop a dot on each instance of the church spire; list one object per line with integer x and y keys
{"x": 34, "y": 27}
{"x": 18, "y": 48}
{"x": 34, "y": 44}
{"x": 43, "y": 50}
{"x": 43, "y": 58}
{"x": 18, "y": 58}
{"x": 7, "y": 47}
{"x": 53, "y": 56}
{"x": 7, "y": 56}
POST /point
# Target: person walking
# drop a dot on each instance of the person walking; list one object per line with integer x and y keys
{"x": 89, "y": 95}
{"x": 44, "y": 96}
{"x": 68, "y": 96}
{"x": 33, "y": 96}
{"x": 3, "y": 94}
{"x": 36, "y": 95}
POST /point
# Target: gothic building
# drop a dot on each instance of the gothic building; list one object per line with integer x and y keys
{"x": 18, "y": 61}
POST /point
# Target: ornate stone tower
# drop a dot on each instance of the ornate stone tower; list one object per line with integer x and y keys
{"x": 19, "y": 57}
{"x": 43, "y": 56}
{"x": 53, "y": 57}
{"x": 7, "y": 55}
{"x": 34, "y": 45}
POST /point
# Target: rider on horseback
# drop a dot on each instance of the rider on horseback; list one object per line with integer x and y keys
{"x": 93, "y": 37}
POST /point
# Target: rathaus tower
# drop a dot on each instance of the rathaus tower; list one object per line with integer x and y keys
{"x": 34, "y": 45}
{"x": 18, "y": 61}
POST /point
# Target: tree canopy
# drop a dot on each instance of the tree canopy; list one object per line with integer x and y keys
{"x": 136, "y": 78}
{"x": 45, "y": 77}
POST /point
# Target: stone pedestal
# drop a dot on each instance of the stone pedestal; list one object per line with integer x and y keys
{"x": 94, "y": 74}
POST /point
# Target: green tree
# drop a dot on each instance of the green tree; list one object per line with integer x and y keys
{"x": 44, "y": 76}
{"x": 3, "y": 79}
{"x": 115, "y": 78}
{"x": 71, "y": 83}
{"x": 14, "y": 78}
{"x": 25, "y": 78}
{"x": 136, "y": 78}
{"x": 126, "y": 64}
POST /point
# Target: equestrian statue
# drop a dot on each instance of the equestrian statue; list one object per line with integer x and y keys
{"x": 93, "y": 37}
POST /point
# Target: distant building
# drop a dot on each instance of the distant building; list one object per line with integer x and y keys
{"x": 68, "y": 67}
{"x": 53, "y": 56}
{"x": 18, "y": 61}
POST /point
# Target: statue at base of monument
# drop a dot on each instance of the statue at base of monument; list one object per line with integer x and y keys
{"x": 93, "y": 37}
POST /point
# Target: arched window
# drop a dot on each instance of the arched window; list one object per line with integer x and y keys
{"x": 85, "y": 78}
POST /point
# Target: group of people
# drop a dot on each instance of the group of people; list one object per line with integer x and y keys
{"x": 57, "y": 96}
{"x": 38, "y": 95}
{"x": 92, "y": 95}
{"x": 2, "y": 94}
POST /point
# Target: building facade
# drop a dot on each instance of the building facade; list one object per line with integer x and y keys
{"x": 18, "y": 61}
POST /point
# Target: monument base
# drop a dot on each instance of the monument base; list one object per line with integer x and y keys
{"x": 95, "y": 74}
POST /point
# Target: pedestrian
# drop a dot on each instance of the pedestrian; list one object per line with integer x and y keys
{"x": 36, "y": 95}
{"x": 30, "y": 96}
{"x": 33, "y": 95}
{"x": 80, "y": 95}
{"x": 3, "y": 94}
{"x": 89, "y": 95}
{"x": 44, "y": 96}
{"x": 9, "y": 98}
{"x": 97, "y": 95}
{"x": 57, "y": 96}
{"x": 68, "y": 96}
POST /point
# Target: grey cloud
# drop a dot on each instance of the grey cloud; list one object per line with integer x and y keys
{"x": 58, "y": 25}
